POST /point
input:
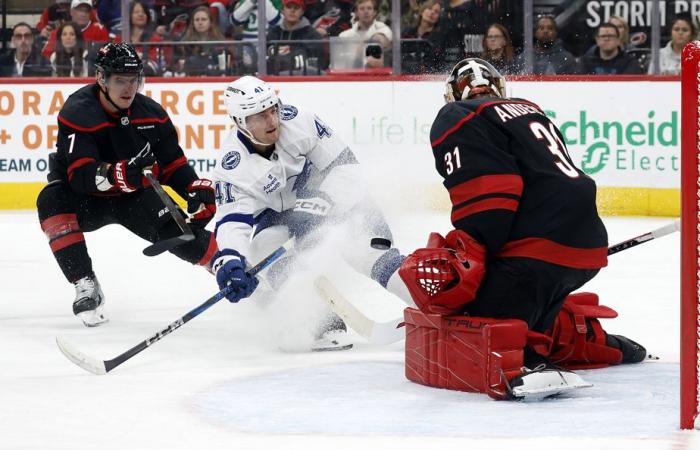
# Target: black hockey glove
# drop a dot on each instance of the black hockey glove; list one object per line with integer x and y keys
{"x": 310, "y": 211}
{"x": 127, "y": 175}
{"x": 201, "y": 201}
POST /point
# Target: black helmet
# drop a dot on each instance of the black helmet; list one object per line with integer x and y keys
{"x": 118, "y": 58}
{"x": 473, "y": 76}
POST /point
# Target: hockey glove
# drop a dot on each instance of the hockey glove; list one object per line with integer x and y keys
{"x": 201, "y": 201}
{"x": 127, "y": 175}
{"x": 229, "y": 267}
{"x": 310, "y": 211}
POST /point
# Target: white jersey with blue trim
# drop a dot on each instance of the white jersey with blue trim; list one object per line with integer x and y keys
{"x": 247, "y": 183}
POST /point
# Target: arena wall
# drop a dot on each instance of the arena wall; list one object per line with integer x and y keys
{"x": 624, "y": 132}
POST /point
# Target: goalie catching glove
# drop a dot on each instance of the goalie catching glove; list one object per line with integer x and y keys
{"x": 229, "y": 267}
{"x": 444, "y": 276}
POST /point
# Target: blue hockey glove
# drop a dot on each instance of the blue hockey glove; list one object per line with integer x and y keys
{"x": 230, "y": 271}
{"x": 310, "y": 210}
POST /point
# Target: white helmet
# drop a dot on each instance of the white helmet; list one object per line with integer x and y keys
{"x": 473, "y": 76}
{"x": 247, "y": 96}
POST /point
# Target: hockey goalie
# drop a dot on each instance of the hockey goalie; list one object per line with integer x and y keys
{"x": 495, "y": 310}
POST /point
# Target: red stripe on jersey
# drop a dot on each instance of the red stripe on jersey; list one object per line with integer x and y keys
{"x": 471, "y": 115}
{"x": 77, "y": 164}
{"x": 87, "y": 130}
{"x": 486, "y": 184}
{"x": 151, "y": 120}
{"x": 60, "y": 224}
{"x": 211, "y": 249}
{"x": 65, "y": 241}
{"x": 484, "y": 205}
{"x": 552, "y": 252}
{"x": 170, "y": 169}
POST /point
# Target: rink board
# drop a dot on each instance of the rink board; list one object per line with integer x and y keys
{"x": 629, "y": 143}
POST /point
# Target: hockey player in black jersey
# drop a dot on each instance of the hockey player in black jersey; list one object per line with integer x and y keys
{"x": 108, "y": 134}
{"x": 527, "y": 231}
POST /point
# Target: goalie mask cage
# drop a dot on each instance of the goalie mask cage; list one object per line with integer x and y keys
{"x": 690, "y": 235}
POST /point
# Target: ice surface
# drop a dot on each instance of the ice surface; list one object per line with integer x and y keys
{"x": 222, "y": 382}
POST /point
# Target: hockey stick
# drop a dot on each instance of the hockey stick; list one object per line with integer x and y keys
{"x": 166, "y": 244}
{"x": 388, "y": 332}
{"x": 657, "y": 233}
{"x": 100, "y": 367}
{"x": 375, "y": 332}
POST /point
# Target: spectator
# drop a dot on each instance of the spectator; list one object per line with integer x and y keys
{"x": 549, "y": 56}
{"x": 329, "y": 17}
{"x": 142, "y": 32}
{"x": 498, "y": 49}
{"x": 245, "y": 15}
{"x": 459, "y": 32}
{"x": 419, "y": 56}
{"x": 110, "y": 14}
{"x": 201, "y": 59}
{"x": 608, "y": 58}
{"x": 219, "y": 10}
{"x": 173, "y": 16}
{"x": 367, "y": 29}
{"x": 294, "y": 58}
{"x": 22, "y": 60}
{"x": 53, "y": 17}
{"x": 80, "y": 13}
{"x": 682, "y": 32}
{"x": 70, "y": 57}
{"x": 624, "y": 29}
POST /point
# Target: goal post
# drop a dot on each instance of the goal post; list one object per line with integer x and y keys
{"x": 690, "y": 235}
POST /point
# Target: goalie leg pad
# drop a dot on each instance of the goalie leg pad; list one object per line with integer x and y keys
{"x": 463, "y": 353}
{"x": 578, "y": 338}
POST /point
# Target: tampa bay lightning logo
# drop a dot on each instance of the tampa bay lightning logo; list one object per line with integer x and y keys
{"x": 231, "y": 160}
{"x": 289, "y": 112}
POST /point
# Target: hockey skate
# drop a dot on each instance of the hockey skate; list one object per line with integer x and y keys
{"x": 542, "y": 382}
{"x": 332, "y": 336}
{"x": 632, "y": 352}
{"x": 89, "y": 302}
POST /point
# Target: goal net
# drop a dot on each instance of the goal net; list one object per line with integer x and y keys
{"x": 690, "y": 234}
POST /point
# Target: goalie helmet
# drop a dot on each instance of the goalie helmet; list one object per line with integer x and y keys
{"x": 471, "y": 77}
{"x": 247, "y": 96}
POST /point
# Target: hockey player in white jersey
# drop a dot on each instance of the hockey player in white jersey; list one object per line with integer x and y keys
{"x": 284, "y": 173}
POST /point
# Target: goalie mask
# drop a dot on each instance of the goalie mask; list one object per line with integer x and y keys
{"x": 246, "y": 97}
{"x": 472, "y": 77}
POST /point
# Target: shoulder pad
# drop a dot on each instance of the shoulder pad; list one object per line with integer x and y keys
{"x": 146, "y": 107}
{"x": 82, "y": 110}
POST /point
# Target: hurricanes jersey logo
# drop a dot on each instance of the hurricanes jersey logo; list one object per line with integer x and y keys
{"x": 595, "y": 158}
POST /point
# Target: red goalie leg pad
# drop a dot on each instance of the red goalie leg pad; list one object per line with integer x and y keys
{"x": 578, "y": 338}
{"x": 472, "y": 354}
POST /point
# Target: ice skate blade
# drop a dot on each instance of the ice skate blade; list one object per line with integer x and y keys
{"x": 93, "y": 319}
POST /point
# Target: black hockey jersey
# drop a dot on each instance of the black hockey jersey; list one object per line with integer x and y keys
{"x": 88, "y": 135}
{"x": 513, "y": 185}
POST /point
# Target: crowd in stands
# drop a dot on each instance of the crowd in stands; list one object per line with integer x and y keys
{"x": 219, "y": 37}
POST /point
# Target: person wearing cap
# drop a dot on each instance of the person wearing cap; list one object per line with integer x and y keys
{"x": 284, "y": 56}
{"x": 81, "y": 13}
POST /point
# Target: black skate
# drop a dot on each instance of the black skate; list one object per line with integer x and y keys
{"x": 632, "y": 352}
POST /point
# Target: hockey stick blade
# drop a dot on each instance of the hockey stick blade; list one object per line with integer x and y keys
{"x": 102, "y": 367}
{"x": 80, "y": 359}
{"x": 657, "y": 233}
{"x": 167, "y": 244}
{"x": 380, "y": 333}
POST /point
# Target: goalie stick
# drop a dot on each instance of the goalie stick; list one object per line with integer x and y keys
{"x": 100, "y": 367}
{"x": 166, "y": 244}
{"x": 389, "y": 332}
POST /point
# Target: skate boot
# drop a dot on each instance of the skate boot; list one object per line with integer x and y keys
{"x": 331, "y": 336}
{"x": 89, "y": 302}
{"x": 631, "y": 351}
{"x": 543, "y": 381}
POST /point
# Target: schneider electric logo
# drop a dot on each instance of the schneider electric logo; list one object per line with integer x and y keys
{"x": 650, "y": 145}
